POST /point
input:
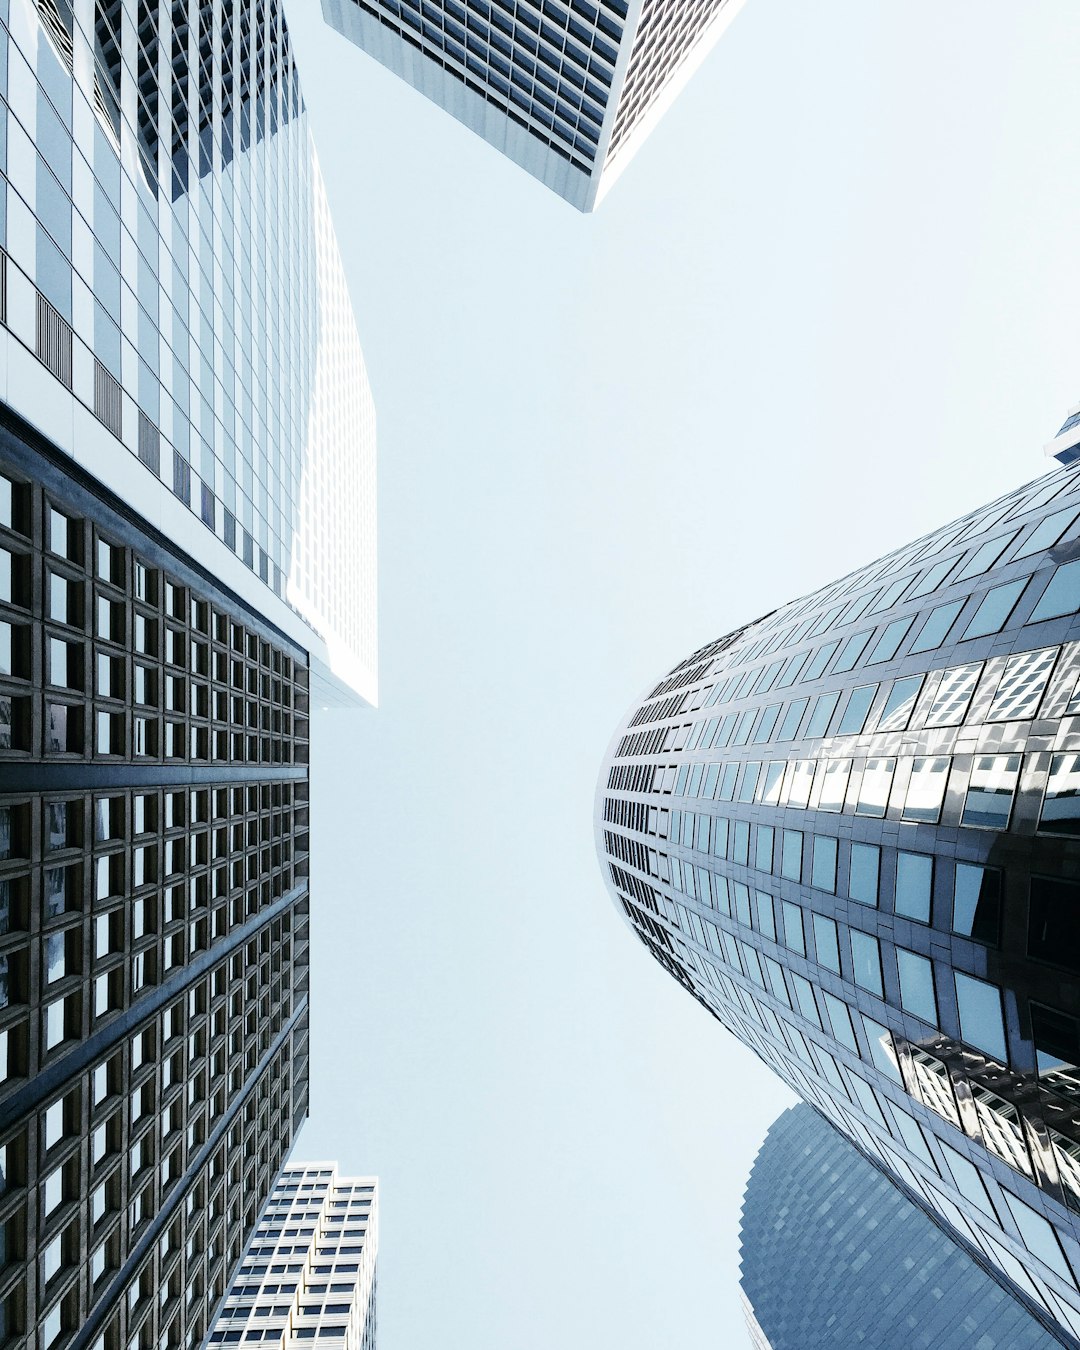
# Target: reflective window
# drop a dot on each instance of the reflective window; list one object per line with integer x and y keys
{"x": 982, "y": 1023}
{"x": 863, "y": 873}
{"x": 900, "y": 704}
{"x": 885, "y": 648}
{"x": 858, "y": 705}
{"x": 821, "y": 714}
{"x": 800, "y": 780}
{"x": 994, "y": 611}
{"x": 1062, "y": 596}
{"x": 1054, "y": 923}
{"x": 834, "y": 782}
{"x": 866, "y": 961}
{"x": 793, "y": 928}
{"x": 889, "y": 596}
{"x": 767, "y": 725}
{"x": 763, "y": 848}
{"x": 1046, "y": 534}
{"x": 852, "y": 649}
{"x": 840, "y": 1020}
{"x": 991, "y": 790}
{"x": 932, "y": 579}
{"x": 790, "y": 725}
{"x": 804, "y": 996}
{"x": 823, "y": 863}
{"x": 953, "y": 696}
{"x": 917, "y": 985}
{"x": 774, "y": 777}
{"x": 977, "y": 902}
{"x": 914, "y": 878}
{"x": 820, "y": 660}
{"x": 1023, "y": 683}
{"x": 882, "y": 1051}
{"x": 764, "y": 905}
{"x": 984, "y": 557}
{"x": 875, "y": 787}
{"x": 791, "y": 855}
{"x": 926, "y": 788}
{"x": 1061, "y": 805}
{"x": 937, "y": 625}
{"x": 826, "y": 943}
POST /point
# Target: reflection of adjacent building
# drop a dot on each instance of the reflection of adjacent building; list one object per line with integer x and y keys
{"x": 174, "y": 311}
{"x": 852, "y": 830}
{"x": 310, "y": 1271}
{"x": 834, "y": 1255}
{"x": 567, "y": 90}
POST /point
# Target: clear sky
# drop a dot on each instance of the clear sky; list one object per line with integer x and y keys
{"x": 834, "y": 302}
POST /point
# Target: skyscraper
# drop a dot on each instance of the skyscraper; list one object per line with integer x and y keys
{"x": 310, "y": 1272}
{"x": 568, "y": 89}
{"x": 851, "y": 829}
{"x": 833, "y": 1255}
{"x": 174, "y": 311}
{"x": 186, "y": 439}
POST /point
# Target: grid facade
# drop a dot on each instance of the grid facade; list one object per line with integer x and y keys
{"x": 852, "y": 830}
{"x": 173, "y": 310}
{"x": 833, "y": 1255}
{"x": 310, "y": 1272}
{"x": 560, "y": 86}
{"x": 153, "y": 918}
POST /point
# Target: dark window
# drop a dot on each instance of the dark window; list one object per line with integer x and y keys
{"x": 1054, "y": 922}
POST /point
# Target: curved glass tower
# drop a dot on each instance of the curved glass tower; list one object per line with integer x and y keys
{"x": 851, "y": 829}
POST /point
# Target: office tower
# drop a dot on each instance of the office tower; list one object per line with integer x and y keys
{"x": 568, "y": 89}
{"x": 185, "y": 437}
{"x": 153, "y": 916}
{"x": 851, "y": 829}
{"x": 174, "y": 311}
{"x": 310, "y": 1272}
{"x": 833, "y": 1255}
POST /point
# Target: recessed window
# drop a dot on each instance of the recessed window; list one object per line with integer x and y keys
{"x": 858, "y": 705}
{"x": 863, "y": 873}
{"x": 982, "y": 1023}
{"x": 823, "y": 863}
{"x": 1023, "y": 683}
{"x": 1054, "y": 923}
{"x": 1062, "y": 596}
{"x": 917, "y": 985}
{"x": 866, "y": 961}
{"x": 914, "y": 880}
{"x": 875, "y": 787}
{"x": 938, "y": 622}
{"x": 900, "y": 704}
{"x": 953, "y": 697}
{"x": 994, "y": 611}
{"x": 926, "y": 788}
{"x": 825, "y": 942}
{"x": 991, "y": 789}
{"x": 1061, "y": 804}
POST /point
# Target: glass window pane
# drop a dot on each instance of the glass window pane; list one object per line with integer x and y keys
{"x": 1047, "y": 532}
{"x": 774, "y": 777}
{"x": 804, "y": 996}
{"x": 820, "y": 660}
{"x": 764, "y": 729}
{"x": 866, "y": 961}
{"x": 985, "y": 557}
{"x": 934, "y": 630}
{"x": 914, "y": 876}
{"x": 852, "y": 649}
{"x": 953, "y": 696}
{"x": 765, "y": 923}
{"x": 932, "y": 578}
{"x": 1023, "y": 683}
{"x": 823, "y": 863}
{"x": 885, "y": 648}
{"x": 977, "y": 902}
{"x": 926, "y": 788}
{"x": 882, "y": 1051}
{"x": 991, "y": 790}
{"x": 840, "y": 1020}
{"x": 854, "y": 718}
{"x": 1054, "y": 923}
{"x": 995, "y": 609}
{"x": 1061, "y": 805}
{"x": 824, "y": 706}
{"x": 981, "y": 1021}
{"x": 825, "y": 942}
{"x": 763, "y": 848}
{"x": 793, "y": 928}
{"x": 917, "y": 985}
{"x": 863, "y": 873}
{"x": 900, "y": 704}
{"x": 1062, "y": 596}
{"x": 791, "y": 857}
{"x": 875, "y": 787}
{"x": 800, "y": 780}
{"x": 790, "y": 725}
{"x": 834, "y": 785}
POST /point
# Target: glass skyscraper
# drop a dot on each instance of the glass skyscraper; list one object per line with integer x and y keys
{"x": 310, "y": 1272}
{"x": 833, "y": 1255}
{"x": 568, "y": 89}
{"x": 186, "y": 567}
{"x": 851, "y": 829}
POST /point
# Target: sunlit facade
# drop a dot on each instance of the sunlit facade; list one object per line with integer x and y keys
{"x": 174, "y": 311}
{"x": 851, "y": 829}
{"x": 310, "y": 1272}
{"x": 568, "y": 90}
{"x": 833, "y": 1255}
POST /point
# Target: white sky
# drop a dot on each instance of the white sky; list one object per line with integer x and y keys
{"x": 832, "y": 304}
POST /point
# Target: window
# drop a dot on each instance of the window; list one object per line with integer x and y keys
{"x": 840, "y": 1020}
{"x": 882, "y": 1051}
{"x": 823, "y": 863}
{"x": 1061, "y": 805}
{"x": 821, "y": 714}
{"x": 852, "y": 649}
{"x": 834, "y": 783}
{"x": 977, "y": 902}
{"x": 854, "y": 718}
{"x": 994, "y": 611}
{"x": 1054, "y": 923}
{"x": 1062, "y": 596}
{"x": 819, "y": 661}
{"x": 936, "y": 628}
{"x": 791, "y": 855}
{"x": 953, "y": 696}
{"x": 866, "y": 961}
{"x": 885, "y": 648}
{"x": 793, "y": 928}
{"x": 981, "y": 1021}
{"x": 1046, "y": 533}
{"x": 991, "y": 790}
{"x": 800, "y": 780}
{"x": 917, "y": 985}
{"x": 926, "y": 788}
{"x": 932, "y": 579}
{"x": 790, "y": 725}
{"x": 875, "y": 787}
{"x": 763, "y": 848}
{"x": 764, "y": 905}
{"x": 985, "y": 556}
{"x": 825, "y": 942}
{"x": 900, "y": 704}
{"x": 863, "y": 873}
{"x": 914, "y": 878}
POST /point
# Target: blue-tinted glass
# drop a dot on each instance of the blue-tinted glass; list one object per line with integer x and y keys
{"x": 981, "y": 1022}
{"x": 765, "y": 922}
{"x": 934, "y": 630}
{"x": 1061, "y": 805}
{"x": 863, "y": 873}
{"x": 840, "y": 1020}
{"x": 933, "y": 578}
{"x": 1062, "y": 596}
{"x": 996, "y": 607}
{"x": 1047, "y": 532}
{"x": 791, "y": 855}
{"x": 793, "y": 928}
{"x": 886, "y": 646}
{"x": 854, "y": 718}
{"x": 917, "y": 985}
{"x": 977, "y": 902}
{"x": 984, "y": 557}
{"x": 852, "y": 649}
{"x": 820, "y": 660}
{"x": 790, "y": 725}
{"x": 866, "y": 961}
{"x": 825, "y": 941}
{"x": 823, "y": 708}
{"x": 765, "y": 727}
{"x": 914, "y": 878}
{"x": 763, "y": 849}
{"x": 989, "y": 798}
{"x": 823, "y": 863}
{"x": 900, "y": 704}
{"x": 882, "y": 1050}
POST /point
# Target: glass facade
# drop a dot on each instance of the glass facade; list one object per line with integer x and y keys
{"x": 153, "y": 917}
{"x": 566, "y": 88}
{"x": 173, "y": 311}
{"x": 310, "y": 1272}
{"x": 851, "y": 829}
{"x": 833, "y": 1255}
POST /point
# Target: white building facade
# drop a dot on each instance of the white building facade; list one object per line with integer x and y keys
{"x": 309, "y": 1274}
{"x": 567, "y": 89}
